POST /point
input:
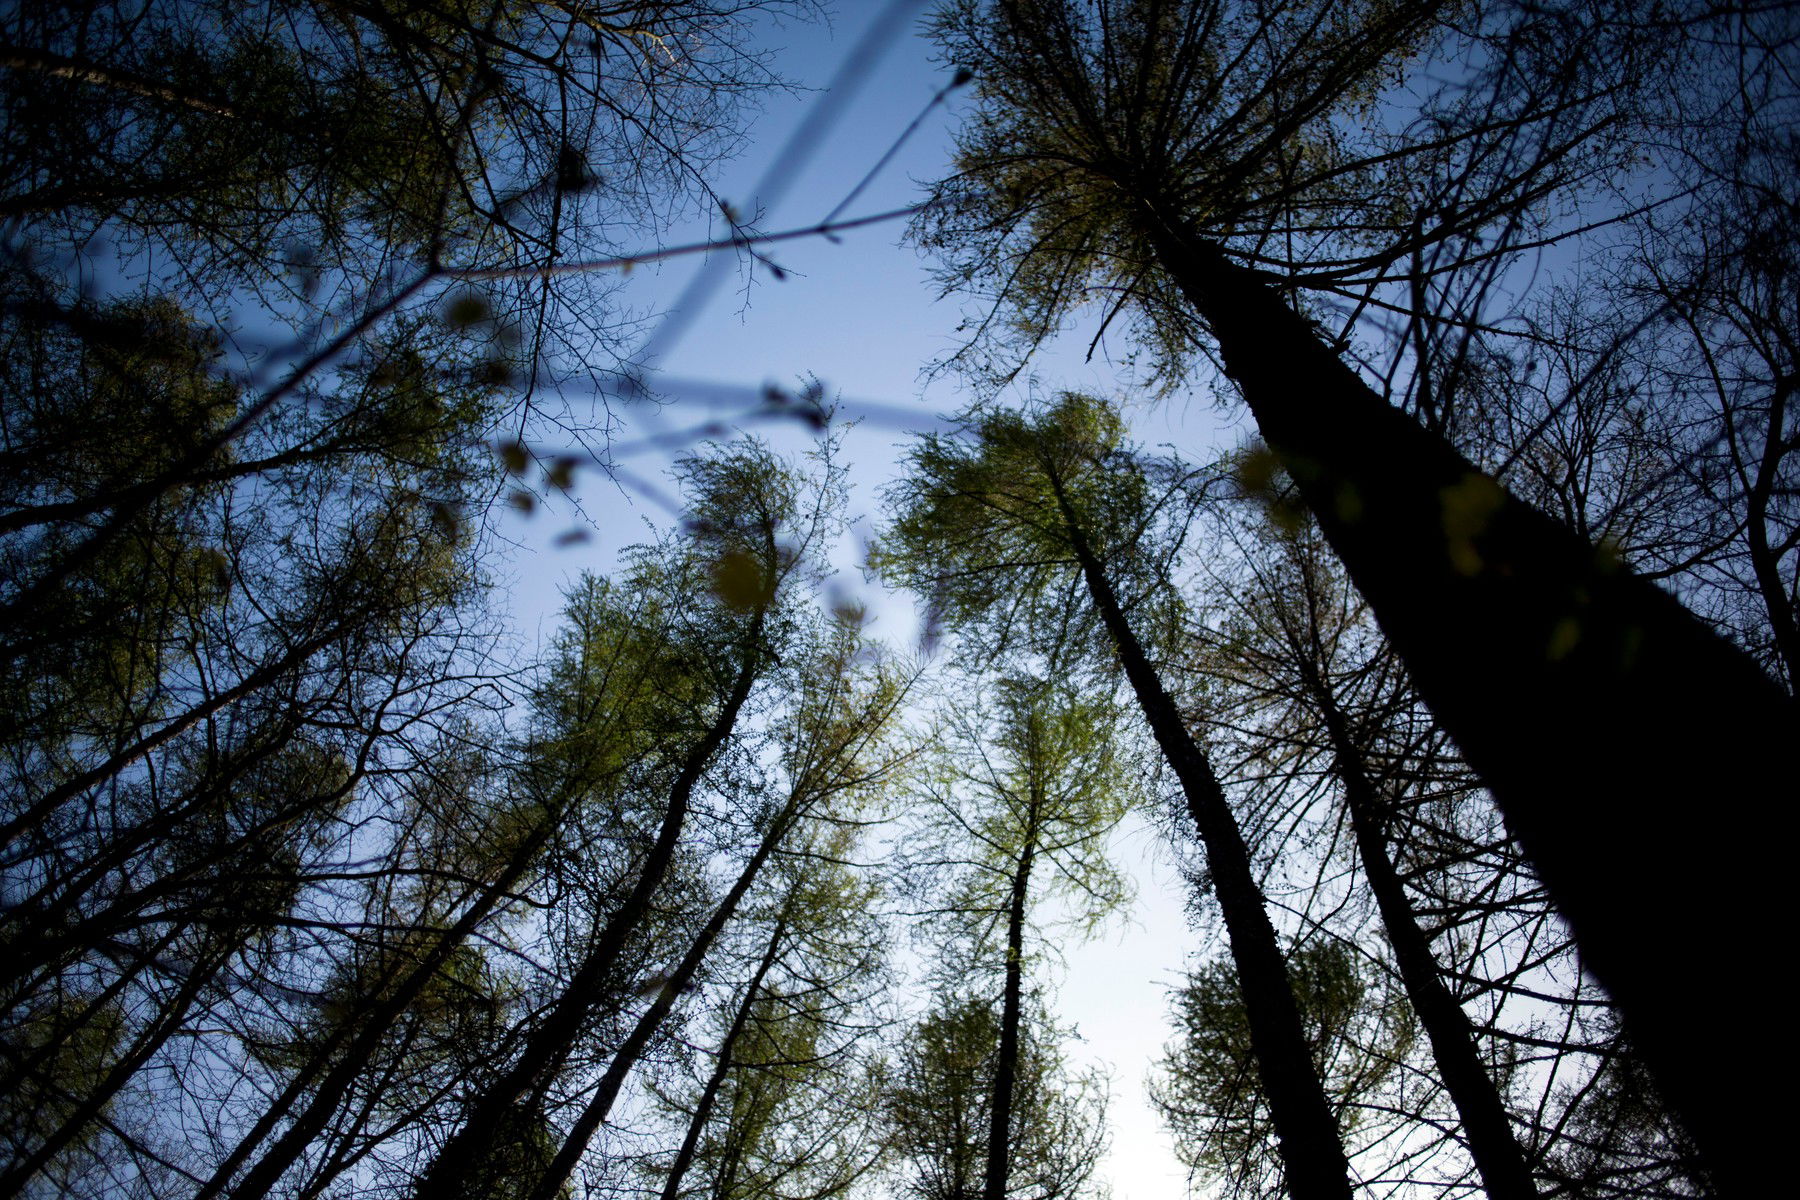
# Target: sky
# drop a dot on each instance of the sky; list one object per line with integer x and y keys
{"x": 862, "y": 316}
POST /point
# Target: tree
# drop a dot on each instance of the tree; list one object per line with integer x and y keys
{"x": 833, "y": 756}
{"x": 744, "y": 506}
{"x": 1207, "y": 1091}
{"x": 1317, "y": 681}
{"x": 1018, "y": 815}
{"x": 792, "y": 1104}
{"x": 1008, "y": 528}
{"x": 313, "y": 884}
{"x": 1111, "y": 148}
{"x": 329, "y": 168}
{"x": 1361, "y": 797}
{"x": 299, "y": 149}
{"x": 940, "y": 1118}
{"x": 1615, "y": 1138}
{"x": 209, "y": 705}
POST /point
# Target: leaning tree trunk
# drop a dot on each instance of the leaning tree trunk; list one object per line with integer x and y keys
{"x": 557, "y": 1175}
{"x": 1505, "y": 1174}
{"x": 1311, "y": 1153}
{"x": 550, "y": 1041}
{"x": 715, "y": 1083}
{"x": 1585, "y": 698}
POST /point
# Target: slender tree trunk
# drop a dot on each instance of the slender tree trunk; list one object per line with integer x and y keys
{"x": 1311, "y": 1152}
{"x": 627, "y": 1055}
{"x": 1585, "y": 698}
{"x": 690, "y": 1144}
{"x": 334, "y": 1066}
{"x": 1505, "y": 1175}
{"x": 1006, "y": 1071}
{"x": 548, "y": 1043}
{"x": 331, "y": 1074}
{"x": 346, "y": 1152}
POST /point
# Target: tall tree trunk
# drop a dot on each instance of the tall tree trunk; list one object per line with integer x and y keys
{"x": 1006, "y": 1071}
{"x": 549, "y": 1042}
{"x": 1582, "y": 695}
{"x": 690, "y": 1144}
{"x": 1311, "y": 1152}
{"x": 1504, "y": 1172}
{"x": 627, "y": 1055}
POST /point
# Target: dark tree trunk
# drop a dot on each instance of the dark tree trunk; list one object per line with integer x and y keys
{"x": 1006, "y": 1070}
{"x": 1626, "y": 744}
{"x": 1311, "y": 1152}
{"x": 550, "y": 1041}
{"x": 1504, "y": 1172}
{"x": 684, "y": 1157}
{"x": 627, "y": 1055}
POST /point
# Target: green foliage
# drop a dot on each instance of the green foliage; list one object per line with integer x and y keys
{"x": 325, "y": 136}
{"x": 796, "y": 1115}
{"x": 99, "y": 648}
{"x": 940, "y": 1099}
{"x": 1358, "y": 1030}
{"x": 1098, "y": 127}
{"x": 645, "y": 661}
{"x": 212, "y": 643}
{"x": 981, "y": 524}
{"x": 1023, "y": 792}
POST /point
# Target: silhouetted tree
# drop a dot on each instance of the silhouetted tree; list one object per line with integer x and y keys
{"x": 1018, "y": 809}
{"x": 1029, "y": 524}
{"x": 1169, "y": 152}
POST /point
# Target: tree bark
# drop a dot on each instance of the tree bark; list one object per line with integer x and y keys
{"x": 1311, "y": 1152}
{"x": 1582, "y": 695}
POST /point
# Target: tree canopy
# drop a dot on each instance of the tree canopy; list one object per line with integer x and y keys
{"x": 341, "y": 855}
